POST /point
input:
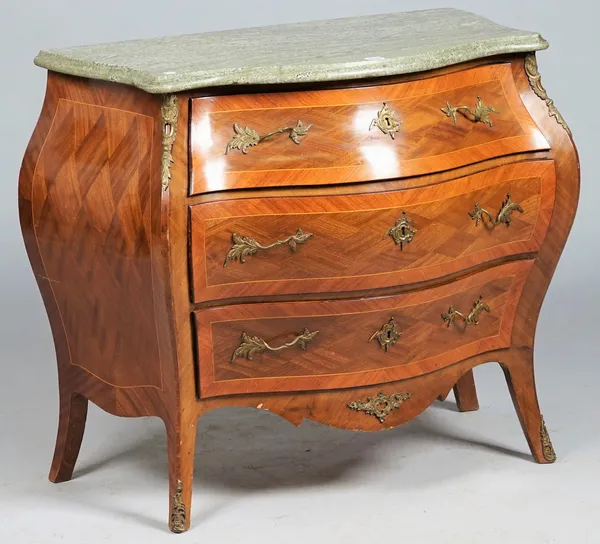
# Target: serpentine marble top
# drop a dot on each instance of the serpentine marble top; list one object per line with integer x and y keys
{"x": 335, "y": 49}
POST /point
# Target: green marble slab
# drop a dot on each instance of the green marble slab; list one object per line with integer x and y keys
{"x": 335, "y": 49}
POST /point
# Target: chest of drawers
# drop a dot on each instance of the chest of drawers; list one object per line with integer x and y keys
{"x": 222, "y": 220}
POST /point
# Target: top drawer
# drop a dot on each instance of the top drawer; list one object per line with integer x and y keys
{"x": 333, "y": 136}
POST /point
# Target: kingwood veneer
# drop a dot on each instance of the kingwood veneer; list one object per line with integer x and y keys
{"x": 399, "y": 226}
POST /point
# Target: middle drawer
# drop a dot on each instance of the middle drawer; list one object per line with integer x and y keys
{"x": 320, "y": 244}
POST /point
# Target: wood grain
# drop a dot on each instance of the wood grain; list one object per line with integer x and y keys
{"x": 332, "y": 406}
{"x": 101, "y": 265}
{"x": 466, "y": 394}
{"x": 66, "y": 194}
{"x": 340, "y": 355}
{"x": 71, "y": 426}
{"x": 517, "y": 365}
{"x": 92, "y": 218}
{"x": 349, "y": 249}
{"x": 340, "y": 148}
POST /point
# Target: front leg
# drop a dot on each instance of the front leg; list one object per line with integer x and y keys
{"x": 518, "y": 369}
{"x": 181, "y": 448}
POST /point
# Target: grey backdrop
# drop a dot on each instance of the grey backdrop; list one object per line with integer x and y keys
{"x": 445, "y": 477}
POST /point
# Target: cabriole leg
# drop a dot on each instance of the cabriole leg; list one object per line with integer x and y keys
{"x": 181, "y": 446}
{"x": 71, "y": 426}
{"x": 518, "y": 369}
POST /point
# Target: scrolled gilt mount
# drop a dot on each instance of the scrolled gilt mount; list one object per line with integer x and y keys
{"x": 547, "y": 448}
{"x": 178, "y": 515}
{"x": 471, "y": 319}
{"x": 402, "y": 232}
{"x": 251, "y": 345}
{"x": 169, "y": 113}
{"x": 535, "y": 81}
{"x": 388, "y": 335}
{"x": 381, "y": 405}
{"x": 246, "y": 137}
{"x": 243, "y": 246}
{"x": 386, "y": 121}
{"x": 479, "y": 114}
{"x": 504, "y": 214}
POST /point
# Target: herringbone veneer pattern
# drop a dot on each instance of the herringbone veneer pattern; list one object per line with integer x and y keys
{"x": 91, "y": 209}
{"x": 349, "y": 247}
{"x": 339, "y": 147}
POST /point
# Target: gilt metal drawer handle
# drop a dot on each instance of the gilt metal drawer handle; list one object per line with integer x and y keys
{"x": 386, "y": 121}
{"x": 388, "y": 335}
{"x": 251, "y": 345}
{"x": 402, "y": 232}
{"x": 480, "y": 114}
{"x": 381, "y": 405}
{"x": 244, "y": 245}
{"x": 246, "y": 137}
{"x": 471, "y": 319}
{"x": 504, "y": 215}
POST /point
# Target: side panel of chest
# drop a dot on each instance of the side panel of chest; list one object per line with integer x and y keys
{"x": 92, "y": 218}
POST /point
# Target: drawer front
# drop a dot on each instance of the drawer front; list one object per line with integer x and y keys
{"x": 326, "y": 244}
{"x": 294, "y": 346}
{"x": 334, "y": 136}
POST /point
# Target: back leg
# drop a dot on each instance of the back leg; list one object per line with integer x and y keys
{"x": 71, "y": 425}
{"x": 466, "y": 393}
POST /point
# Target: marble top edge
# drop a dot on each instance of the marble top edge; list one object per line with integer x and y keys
{"x": 316, "y": 51}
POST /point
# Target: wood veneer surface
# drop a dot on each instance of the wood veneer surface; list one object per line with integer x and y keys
{"x": 349, "y": 248}
{"x": 340, "y": 148}
{"x": 149, "y": 254}
{"x": 341, "y": 355}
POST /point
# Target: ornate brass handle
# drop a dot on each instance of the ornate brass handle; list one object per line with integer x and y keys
{"x": 402, "y": 232}
{"x": 251, "y": 345}
{"x": 471, "y": 319}
{"x": 381, "y": 405}
{"x": 386, "y": 121}
{"x": 246, "y": 137}
{"x": 244, "y": 246}
{"x": 506, "y": 209}
{"x": 481, "y": 113}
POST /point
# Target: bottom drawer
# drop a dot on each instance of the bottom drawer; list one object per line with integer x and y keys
{"x": 296, "y": 346}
